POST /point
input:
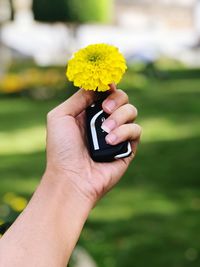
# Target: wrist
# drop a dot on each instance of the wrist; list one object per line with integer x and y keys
{"x": 62, "y": 189}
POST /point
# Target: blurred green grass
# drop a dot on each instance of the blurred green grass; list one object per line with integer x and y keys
{"x": 152, "y": 217}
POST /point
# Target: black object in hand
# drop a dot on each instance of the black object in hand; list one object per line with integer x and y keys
{"x": 100, "y": 151}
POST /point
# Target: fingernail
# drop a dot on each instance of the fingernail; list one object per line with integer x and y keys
{"x": 108, "y": 125}
{"x": 111, "y": 138}
{"x": 110, "y": 105}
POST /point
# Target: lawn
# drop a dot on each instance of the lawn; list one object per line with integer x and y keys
{"x": 152, "y": 217}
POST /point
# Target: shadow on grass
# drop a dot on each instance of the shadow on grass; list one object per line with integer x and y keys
{"x": 19, "y": 113}
{"x": 184, "y": 73}
{"x": 21, "y": 172}
{"x": 167, "y": 165}
{"x": 145, "y": 240}
{"x": 176, "y": 101}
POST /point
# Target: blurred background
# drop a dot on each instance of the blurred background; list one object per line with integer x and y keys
{"x": 152, "y": 217}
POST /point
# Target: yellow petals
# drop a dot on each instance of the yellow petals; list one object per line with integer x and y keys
{"x": 96, "y": 66}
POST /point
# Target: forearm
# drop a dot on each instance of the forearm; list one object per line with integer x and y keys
{"x": 48, "y": 229}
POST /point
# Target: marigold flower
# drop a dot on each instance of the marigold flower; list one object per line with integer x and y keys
{"x": 96, "y": 66}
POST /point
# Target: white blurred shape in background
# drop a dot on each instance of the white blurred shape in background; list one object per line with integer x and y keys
{"x": 148, "y": 28}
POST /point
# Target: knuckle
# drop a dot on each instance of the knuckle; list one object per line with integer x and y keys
{"x": 50, "y": 115}
{"x": 123, "y": 95}
{"x": 139, "y": 128}
{"x": 133, "y": 110}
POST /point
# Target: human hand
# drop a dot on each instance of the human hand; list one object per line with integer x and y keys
{"x": 67, "y": 154}
{"x": 72, "y": 182}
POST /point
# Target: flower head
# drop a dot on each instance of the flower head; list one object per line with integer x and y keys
{"x": 96, "y": 66}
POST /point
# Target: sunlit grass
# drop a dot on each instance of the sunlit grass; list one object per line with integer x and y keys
{"x": 164, "y": 129}
{"x": 30, "y": 139}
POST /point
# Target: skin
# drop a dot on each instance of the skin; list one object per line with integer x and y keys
{"x": 47, "y": 231}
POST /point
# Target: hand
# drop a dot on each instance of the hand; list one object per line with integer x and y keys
{"x": 72, "y": 182}
{"x": 67, "y": 154}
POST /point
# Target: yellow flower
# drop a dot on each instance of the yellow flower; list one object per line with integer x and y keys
{"x": 96, "y": 66}
{"x": 15, "y": 202}
{"x": 11, "y": 83}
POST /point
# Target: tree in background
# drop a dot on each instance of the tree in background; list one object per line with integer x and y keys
{"x": 11, "y": 9}
{"x": 73, "y": 12}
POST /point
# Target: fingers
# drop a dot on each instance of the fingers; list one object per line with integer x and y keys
{"x": 74, "y": 105}
{"x": 124, "y": 132}
{"x": 118, "y": 125}
{"x": 116, "y": 99}
{"x": 124, "y": 114}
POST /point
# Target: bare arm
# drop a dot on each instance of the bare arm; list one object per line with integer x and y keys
{"x": 47, "y": 230}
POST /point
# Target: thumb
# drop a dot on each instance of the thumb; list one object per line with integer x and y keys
{"x": 77, "y": 103}
{"x": 113, "y": 87}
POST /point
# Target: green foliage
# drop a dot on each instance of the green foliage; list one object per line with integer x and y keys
{"x": 73, "y": 10}
{"x": 89, "y": 10}
{"x": 50, "y": 10}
